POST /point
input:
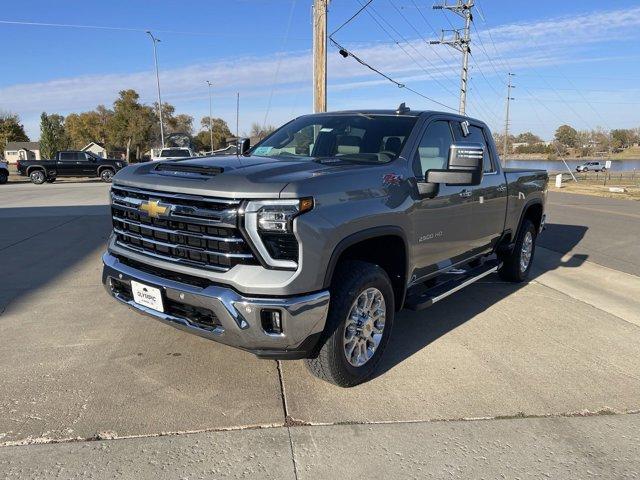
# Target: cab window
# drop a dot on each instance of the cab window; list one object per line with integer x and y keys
{"x": 68, "y": 156}
{"x": 433, "y": 149}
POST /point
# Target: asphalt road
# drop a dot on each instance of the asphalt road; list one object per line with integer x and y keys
{"x": 605, "y": 230}
{"x": 522, "y": 381}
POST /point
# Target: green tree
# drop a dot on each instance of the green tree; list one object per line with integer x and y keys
{"x": 83, "y": 128}
{"x": 132, "y": 123}
{"x": 11, "y": 130}
{"x": 53, "y": 137}
{"x": 527, "y": 137}
{"x": 261, "y": 131}
{"x": 567, "y": 136}
{"x": 220, "y": 134}
{"x": 622, "y": 138}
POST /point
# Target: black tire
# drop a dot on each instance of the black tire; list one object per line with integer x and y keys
{"x": 512, "y": 264}
{"x": 352, "y": 280}
{"x": 51, "y": 179}
{"x": 37, "y": 177}
{"x": 4, "y": 177}
{"x": 107, "y": 174}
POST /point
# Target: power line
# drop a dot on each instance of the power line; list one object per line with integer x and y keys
{"x": 346, "y": 53}
{"x": 384, "y": 29}
{"x": 138, "y": 30}
{"x": 351, "y": 18}
{"x": 445, "y": 62}
{"x": 277, "y": 72}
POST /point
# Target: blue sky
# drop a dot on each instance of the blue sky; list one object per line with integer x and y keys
{"x": 576, "y": 62}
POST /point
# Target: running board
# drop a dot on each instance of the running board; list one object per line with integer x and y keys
{"x": 426, "y": 298}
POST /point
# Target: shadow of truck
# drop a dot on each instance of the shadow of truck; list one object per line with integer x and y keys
{"x": 414, "y": 331}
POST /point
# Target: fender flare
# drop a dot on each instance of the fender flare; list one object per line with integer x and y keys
{"x": 527, "y": 206}
{"x": 31, "y": 168}
{"x": 360, "y": 236}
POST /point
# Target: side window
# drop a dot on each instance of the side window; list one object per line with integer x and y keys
{"x": 476, "y": 135}
{"x": 67, "y": 156}
{"x": 433, "y": 149}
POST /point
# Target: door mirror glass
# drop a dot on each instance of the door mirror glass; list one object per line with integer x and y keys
{"x": 464, "y": 166}
{"x": 244, "y": 145}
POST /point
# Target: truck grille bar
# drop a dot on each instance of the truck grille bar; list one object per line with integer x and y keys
{"x": 185, "y": 229}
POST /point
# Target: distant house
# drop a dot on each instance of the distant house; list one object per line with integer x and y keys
{"x": 516, "y": 145}
{"x": 15, "y": 151}
{"x": 97, "y": 149}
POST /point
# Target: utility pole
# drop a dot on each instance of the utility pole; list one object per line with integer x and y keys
{"x": 460, "y": 42}
{"x": 320, "y": 55}
{"x": 155, "y": 59}
{"x": 210, "y": 116}
{"x": 237, "y": 116}
{"x": 506, "y": 120}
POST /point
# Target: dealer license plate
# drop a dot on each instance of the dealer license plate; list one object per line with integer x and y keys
{"x": 147, "y": 296}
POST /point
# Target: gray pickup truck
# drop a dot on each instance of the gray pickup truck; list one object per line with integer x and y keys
{"x": 306, "y": 245}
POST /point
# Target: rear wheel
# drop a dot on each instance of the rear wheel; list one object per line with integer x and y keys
{"x": 37, "y": 177}
{"x": 4, "y": 176}
{"x": 358, "y": 325}
{"x": 106, "y": 175}
{"x": 517, "y": 264}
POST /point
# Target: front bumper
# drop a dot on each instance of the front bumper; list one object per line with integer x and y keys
{"x": 238, "y": 320}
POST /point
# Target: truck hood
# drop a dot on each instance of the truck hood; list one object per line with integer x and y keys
{"x": 230, "y": 176}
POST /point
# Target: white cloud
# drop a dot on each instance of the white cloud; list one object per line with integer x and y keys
{"x": 525, "y": 45}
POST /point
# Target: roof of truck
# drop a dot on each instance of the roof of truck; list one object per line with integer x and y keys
{"x": 409, "y": 113}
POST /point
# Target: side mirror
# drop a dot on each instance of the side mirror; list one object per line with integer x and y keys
{"x": 465, "y": 166}
{"x": 243, "y": 146}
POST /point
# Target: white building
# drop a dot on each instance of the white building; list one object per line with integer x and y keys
{"x": 97, "y": 149}
{"x": 15, "y": 151}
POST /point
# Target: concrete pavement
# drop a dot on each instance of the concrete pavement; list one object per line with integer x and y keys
{"x": 76, "y": 367}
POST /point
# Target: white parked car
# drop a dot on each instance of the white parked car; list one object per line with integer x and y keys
{"x": 173, "y": 153}
{"x": 593, "y": 166}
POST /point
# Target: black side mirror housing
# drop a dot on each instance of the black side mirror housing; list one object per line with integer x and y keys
{"x": 464, "y": 167}
{"x": 244, "y": 145}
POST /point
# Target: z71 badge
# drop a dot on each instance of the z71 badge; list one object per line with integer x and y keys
{"x": 391, "y": 179}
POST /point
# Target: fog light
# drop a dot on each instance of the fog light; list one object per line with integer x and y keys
{"x": 271, "y": 321}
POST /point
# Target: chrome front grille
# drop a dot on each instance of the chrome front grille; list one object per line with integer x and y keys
{"x": 189, "y": 229}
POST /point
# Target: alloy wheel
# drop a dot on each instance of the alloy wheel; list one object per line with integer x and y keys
{"x": 364, "y": 327}
{"x": 526, "y": 251}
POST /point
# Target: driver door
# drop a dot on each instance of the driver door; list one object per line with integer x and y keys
{"x": 441, "y": 224}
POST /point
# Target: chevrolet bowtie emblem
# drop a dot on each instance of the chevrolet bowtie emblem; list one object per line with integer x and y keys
{"x": 153, "y": 208}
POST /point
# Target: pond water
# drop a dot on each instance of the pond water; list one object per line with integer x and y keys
{"x": 558, "y": 166}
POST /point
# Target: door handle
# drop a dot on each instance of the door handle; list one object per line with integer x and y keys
{"x": 465, "y": 194}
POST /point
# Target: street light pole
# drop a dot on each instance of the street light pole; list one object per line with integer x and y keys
{"x": 210, "y": 116}
{"x": 155, "y": 59}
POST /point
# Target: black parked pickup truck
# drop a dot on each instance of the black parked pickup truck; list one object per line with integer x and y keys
{"x": 70, "y": 163}
{"x": 306, "y": 245}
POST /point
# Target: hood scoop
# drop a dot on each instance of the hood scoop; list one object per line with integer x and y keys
{"x": 180, "y": 169}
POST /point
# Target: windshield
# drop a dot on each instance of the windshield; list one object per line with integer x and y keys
{"x": 174, "y": 152}
{"x": 354, "y": 137}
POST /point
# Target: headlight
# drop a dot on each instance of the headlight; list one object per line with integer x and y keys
{"x": 269, "y": 224}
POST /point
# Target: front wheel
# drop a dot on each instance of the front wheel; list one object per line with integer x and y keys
{"x": 37, "y": 177}
{"x": 106, "y": 175}
{"x": 358, "y": 325}
{"x": 517, "y": 264}
{"x": 4, "y": 176}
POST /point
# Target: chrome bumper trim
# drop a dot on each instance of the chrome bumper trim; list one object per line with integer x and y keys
{"x": 239, "y": 316}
